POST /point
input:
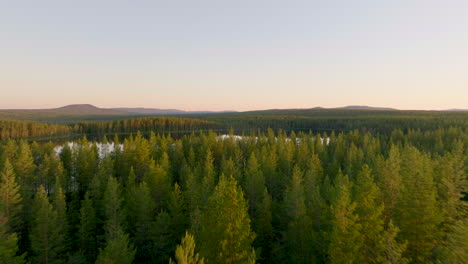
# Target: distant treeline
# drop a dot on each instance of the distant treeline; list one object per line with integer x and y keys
{"x": 28, "y": 129}
{"x": 375, "y": 122}
{"x": 382, "y": 122}
{"x": 144, "y": 125}
{"x": 15, "y": 129}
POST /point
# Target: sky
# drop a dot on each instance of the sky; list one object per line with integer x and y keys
{"x": 234, "y": 55}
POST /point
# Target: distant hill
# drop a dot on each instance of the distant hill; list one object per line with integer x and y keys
{"x": 365, "y": 107}
{"x": 85, "y": 109}
{"x": 65, "y": 113}
{"x": 456, "y": 110}
{"x": 149, "y": 111}
{"x": 79, "y": 112}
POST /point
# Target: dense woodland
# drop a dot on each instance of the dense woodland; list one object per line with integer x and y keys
{"x": 318, "y": 120}
{"x": 266, "y": 198}
{"x": 31, "y": 129}
{"x": 145, "y": 125}
{"x": 356, "y": 196}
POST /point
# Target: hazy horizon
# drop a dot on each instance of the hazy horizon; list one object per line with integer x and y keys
{"x": 243, "y": 55}
{"x": 227, "y": 110}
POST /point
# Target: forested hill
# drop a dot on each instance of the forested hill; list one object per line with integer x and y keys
{"x": 327, "y": 120}
{"x": 86, "y": 112}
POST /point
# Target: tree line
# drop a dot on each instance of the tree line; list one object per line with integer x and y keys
{"x": 29, "y": 129}
{"x": 324, "y": 120}
{"x": 268, "y": 197}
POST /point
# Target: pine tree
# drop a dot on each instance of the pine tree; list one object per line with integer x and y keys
{"x": 45, "y": 238}
{"x": 315, "y": 203}
{"x": 254, "y": 184}
{"x": 345, "y": 235}
{"x": 207, "y": 178}
{"x": 299, "y": 243}
{"x": 159, "y": 184}
{"x": 140, "y": 218}
{"x": 8, "y": 245}
{"x": 66, "y": 156}
{"x": 24, "y": 167}
{"x": 226, "y": 233}
{"x": 454, "y": 250}
{"x": 118, "y": 249}
{"x": 177, "y": 209}
{"x": 61, "y": 226}
{"x": 87, "y": 231}
{"x": 389, "y": 180}
{"x": 418, "y": 214}
{"x": 185, "y": 252}
{"x": 377, "y": 244}
{"x": 164, "y": 242}
{"x": 10, "y": 198}
{"x": 262, "y": 226}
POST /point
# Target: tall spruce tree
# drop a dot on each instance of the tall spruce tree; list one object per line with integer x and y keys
{"x": 46, "y": 240}
{"x": 88, "y": 229}
{"x": 418, "y": 214}
{"x": 10, "y": 198}
{"x": 8, "y": 244}
{"x": 61, "y": 227}
{"x": 226, "y": 233}
{"x": 378, "y": 245}
{"x": 299, "y": 243}
{"x": 118, "y": 249}
{"x": 345, "y": 235}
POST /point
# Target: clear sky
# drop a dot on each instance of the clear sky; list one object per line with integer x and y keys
{"x": 234, "y": 55}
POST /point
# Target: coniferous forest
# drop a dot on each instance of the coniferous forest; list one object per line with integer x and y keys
{"x": 355, "y": 192}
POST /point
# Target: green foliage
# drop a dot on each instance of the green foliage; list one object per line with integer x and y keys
{"x": 346, "y": 232}
{"x": 88, "y": 229}
{"x": 299, "y": 243}
{"x": 118, "y": 249}
{"x": 185, "y": 252}
{"x": 404, "y": 199}
{"x": 226, "y": 233}
{"x": 10, "y": 198}
{"x": 46, "y": 240}
{"x": 8, "y": 245}
{"x": 418, "y": 214}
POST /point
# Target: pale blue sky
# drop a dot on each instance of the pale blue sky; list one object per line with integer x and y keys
{"x": 236, "y": 55}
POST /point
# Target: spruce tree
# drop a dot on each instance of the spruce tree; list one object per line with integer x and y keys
{"x": 299, "y": 243}
{"x": 345, "y": 235}
{"x": 316, "y": 206}
{"x": 46, "y": 240}
{"x": 140, "y": 220}
{"x": 254, "y": 184}
{"x": 61, "y": 227}
{"x": 377, "y": 244}
{"x": 10, "y": 198}
{"x": 418, "y": 214}
{"x": 88, "y": 229}
{"x": 118, "y": 249}
{"x": 177, "y": 209}
{"x": 24, "y": 167}
{"x": 226, "y": 233}
{"x": 185, "y": 252}
{"x": 390, "y": 182}
{"x": 263, "y": 227}
{"x": 8, "y": 244}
